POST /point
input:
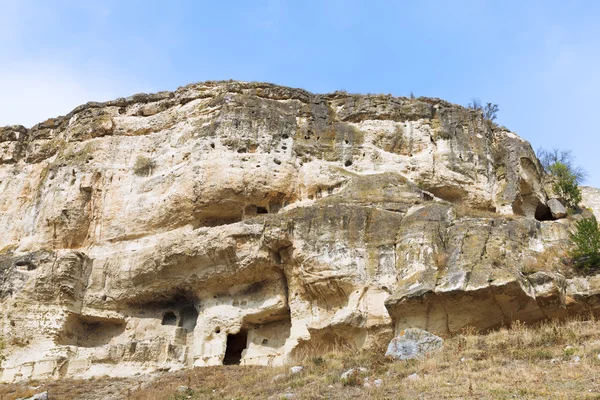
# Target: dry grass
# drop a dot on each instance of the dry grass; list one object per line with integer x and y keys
{"x": 521, "y": 362}
{"x": 550, "y": 361}
{"x": 143, "y": 166}
{"x": 553, "y": 259}
{"x": 91, "y": 389}
{"x": 440, "y": 258}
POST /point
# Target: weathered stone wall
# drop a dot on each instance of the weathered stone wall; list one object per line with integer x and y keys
{"x": 591, "y": 198}
{"x": 244, "y": 222}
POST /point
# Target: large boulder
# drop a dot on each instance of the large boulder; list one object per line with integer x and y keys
{"x": 413, "y": 343}
{"x": 557, "y": 208}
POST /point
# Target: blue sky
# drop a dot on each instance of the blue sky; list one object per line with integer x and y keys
{"x": 538, "y": 60}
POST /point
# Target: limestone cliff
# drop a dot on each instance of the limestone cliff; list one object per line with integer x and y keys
{"x": 232, "y": 222}
{"x": 591, "y": 198}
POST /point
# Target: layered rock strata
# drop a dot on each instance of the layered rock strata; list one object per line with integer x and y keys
{"x": 232, "y": 222}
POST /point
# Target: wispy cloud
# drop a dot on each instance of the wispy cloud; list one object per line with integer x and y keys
{"x": 39, "y": 83}
{"x": 34, "y": 90}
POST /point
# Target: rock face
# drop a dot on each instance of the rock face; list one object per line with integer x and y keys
{"x": 231, "y": 222}
{"x": 591, "y": 198}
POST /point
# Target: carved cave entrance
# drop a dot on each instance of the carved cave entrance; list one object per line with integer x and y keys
{"x": 236, "y": 344}
{"x": 188, "y": 318}
{"x": 169, "y": 318}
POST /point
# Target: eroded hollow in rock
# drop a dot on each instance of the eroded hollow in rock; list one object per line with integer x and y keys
{"x": 177, "y": 308}
{"x": 169, "y": 318}
{"x": 188, "y": 317}
{"x": 217, "y": 215}
{"x": 212, "y": 222}
{"x": 252, "y": 210}
{"x": 529, "y": 205}
{"x": 543, "y": 213}
{"x": 25, "y": 265}
{"x": 449, "y": 193}
{"x": 88, "y": 331}
{"x": 236, "y": 344}
{"x": 327, "y": 340}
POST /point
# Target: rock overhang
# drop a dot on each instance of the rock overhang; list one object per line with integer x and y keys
{"x": 248, "y": 211}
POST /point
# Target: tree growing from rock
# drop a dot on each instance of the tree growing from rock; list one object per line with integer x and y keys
{"x": 586, "y": 244}
{"x": 550, "y": 157}
{"x": 489, "y": 111}
{"x": 560, "y": 163}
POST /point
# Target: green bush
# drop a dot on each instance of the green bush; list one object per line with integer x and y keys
{"x": 566, "y": 184}
{"x": 586, "y": 244}
{"x": 550, "y": 157}
{"x": 568, "y": 176}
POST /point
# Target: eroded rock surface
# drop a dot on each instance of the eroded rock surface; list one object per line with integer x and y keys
{"x": 231, "y": 222}
{"x": 557, "y": 209}
{"x": 591, "y": 199}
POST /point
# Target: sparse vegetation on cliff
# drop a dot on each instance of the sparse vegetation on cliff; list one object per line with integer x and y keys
{"x": 560, "y": 164}
{"x": 549, "y": 158}
{"x": 143, "y": 166}
{"x": 566, "y": 185}
{"x": 489, "y": 110}
{"x": 586, "y": 244}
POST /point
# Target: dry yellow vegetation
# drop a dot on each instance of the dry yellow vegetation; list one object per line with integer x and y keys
{"x": 551, "y": 361}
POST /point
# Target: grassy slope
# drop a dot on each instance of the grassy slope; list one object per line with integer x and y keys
{"x": 520, "y": 362}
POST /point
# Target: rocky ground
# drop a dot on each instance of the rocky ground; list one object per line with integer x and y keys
{"x": 551, "y": 361}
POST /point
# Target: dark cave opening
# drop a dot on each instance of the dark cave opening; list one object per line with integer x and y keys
{"x": 188, "y": 318}
{"x": 236, "y": 344}
{"x": 543, "y": 213}
{"x": 169, "y": 318}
